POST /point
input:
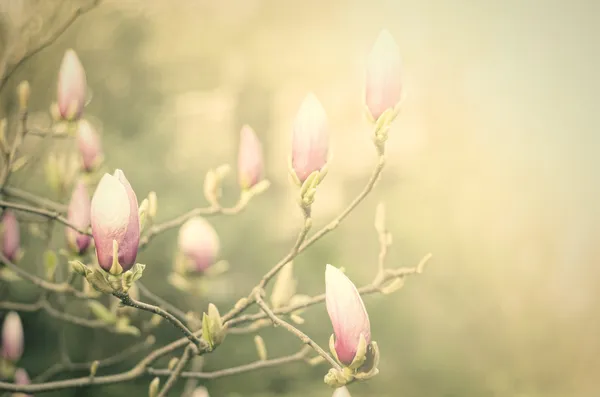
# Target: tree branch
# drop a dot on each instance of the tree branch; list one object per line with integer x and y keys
{"x": 128, "y": 301}
{"x": 183, "y": 360}
{"x": 34, "y": 199}
{"x": 260, "y": 364}
{"x": 46, "y": 285}
{"x": 46, "y": 43}
{"x": 43, "y": 212}
{"x": 301, "y": 335}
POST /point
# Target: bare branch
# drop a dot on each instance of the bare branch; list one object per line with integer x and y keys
{"x": 43, "y": 212}
{"x": 183, "y": 360}
{"x": 34, "y": 199}
{"x": 46, "y": 43}
{"x": 301, "y": 335}
{"x": 260, "y": 364}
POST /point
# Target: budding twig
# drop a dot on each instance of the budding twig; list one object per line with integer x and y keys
{"x": 185, "y": 357}
{"x": 301, "y": 335}
{"x": 128, "y": 301}
{"x": 298, "y": 356}
{"x": 53, "y": 215}
{"x": 34, "y": 199}
{"x": 46, "y": 285}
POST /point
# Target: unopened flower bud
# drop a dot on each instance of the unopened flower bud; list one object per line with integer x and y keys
{"x": 152, "y": 204}
{"x": 200, "y": 392}
{"x": 89, "y": 145}
{"x": 79, "y": 216}
{"x": 383, "y": 83}
{"x": 11, "y": 239}
{"x": 310, "y": 142}
{"x": 114, "y": 216}
{"x": 341, "y": 392}
{"x": 347, "y": 313}
{"x": 250, "y": 159}
{"x": 12, "y": 337}
{"x": 72, "y": 87}
{"x": 154, "y": 386}
{"x": 199, "y": 243}
{"x": 23, "y": 93}
{"x": 21, "y": 378}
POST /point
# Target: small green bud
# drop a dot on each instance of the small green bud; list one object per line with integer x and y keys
{"x": 172, "y": 363}
{"x": 261, "y": 348}
{"x": 154, "y": 385}
{"x": 94, "y": 368}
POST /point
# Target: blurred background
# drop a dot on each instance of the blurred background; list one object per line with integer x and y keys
{"x": 490, "y": 167}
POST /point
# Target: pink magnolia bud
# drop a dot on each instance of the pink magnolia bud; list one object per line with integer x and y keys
{"x": 250, "y": 158}
{"x": 347, "y": 313}
{"x": 384, "y": 85}
{"x": 199, "y": 243}
{"x": 90, "y": 147}
{"x": 12, "y": 337}
{"x": 114, "y": 216}
{"x": 341, "y": 392}
{"x": 79, "y": 216}
{"x": 310, "y": 142}
{"x": 21, "y": 378}
{"x": 11, "y": 239}
{"x": 72, "y": 86}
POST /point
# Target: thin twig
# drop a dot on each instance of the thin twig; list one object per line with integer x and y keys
{"x": 183, "y": 360}
{"x": 46, "y": 285}
{"x": 160, "y": 301}
{"x": 129, "y": 301}
{"x": 260, "y": 364}
{"x": 43, "y": 212}
{"x": 301, "y": 335}
{"x": 34, "y": 199}
{"x": 46, "y": 43}
{"x": 181, "y": 219}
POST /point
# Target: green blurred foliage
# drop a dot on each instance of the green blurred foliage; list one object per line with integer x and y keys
{"x": 491, "y": 168}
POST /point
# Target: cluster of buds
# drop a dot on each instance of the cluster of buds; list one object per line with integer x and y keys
{"x": 351, "y": 343}
{"x": 10, "y": 240}
{"x": 310, "y": 149}
{"x": 116, "y": 232}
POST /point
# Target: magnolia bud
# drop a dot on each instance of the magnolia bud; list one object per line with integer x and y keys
{"x": 347, "y": 313}
{"x": 71, "y": 87}
{"x": 11, "y": 239}
{"x": 199, "y": 243}
{"x": 23, "y": 93}
{"x": 114, "y": 216}
{"x": 79, "y": 216}
{"x": 383, "y": 85}
{"x": 341, "y": 392}
{"x": 21, "y": 378}
{"x": 90, "y": 147}
{"x": 310, "y": 141}
{"x": 200, "y": 392}
{"x": 12, "y": 337}
{"x": 250, "y": 159}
